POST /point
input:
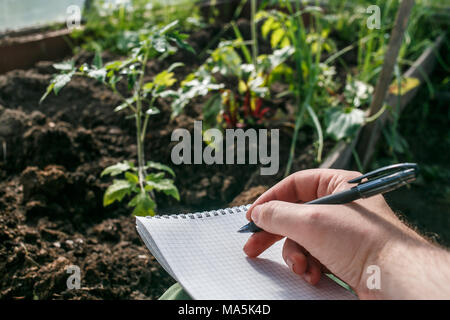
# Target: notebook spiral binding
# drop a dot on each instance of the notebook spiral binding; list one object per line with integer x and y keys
{"x": 203, "y": 214}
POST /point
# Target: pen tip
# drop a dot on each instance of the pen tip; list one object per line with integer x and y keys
{"x": 243, "y": 229}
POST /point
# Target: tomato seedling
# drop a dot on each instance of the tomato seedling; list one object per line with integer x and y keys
{"x": 137, "y": 180}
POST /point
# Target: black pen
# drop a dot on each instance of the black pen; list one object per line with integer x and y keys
{"x": 379, "y": 181}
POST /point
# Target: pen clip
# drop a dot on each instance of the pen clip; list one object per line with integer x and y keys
{"x": 385, "y": 171}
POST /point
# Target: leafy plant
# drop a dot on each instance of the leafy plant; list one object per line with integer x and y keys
{"x": 119, "y": 26}
{"x": 140, "y": 101}
{"x": 241, "y": 80}
{"x": 240, "y": 85}
{"x": 286, "y": 28}
{"x": 350, "y": 21}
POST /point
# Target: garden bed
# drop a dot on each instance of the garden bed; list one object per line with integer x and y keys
{"x": 51, "y": 191}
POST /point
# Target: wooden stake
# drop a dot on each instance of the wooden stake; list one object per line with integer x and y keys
{"x": 371, "y": 131}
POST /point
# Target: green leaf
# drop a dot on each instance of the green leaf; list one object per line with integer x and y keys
{"x": 276, "y": 37}
{"x": 131, "y": 80}
{"x": 98, "y": 62}
{"x": 189, "y": 77}
{"x": 116, "y": 169}
{"x": 116, "y": 191}
{"x": 159, "y": 166}
{"x": 125, "y": 104}
{"x": 267, "y": 26}
{"x": 312, "y": 9}
{"x": 256, "y": 86}
{"x": 61, "y": 80}
{"x": 168, "y": 94}
{"x": 131, "y": 177}
{"x": 64, "y": 66}
{"x": 144, "y": 205}
{"x": 155, "y": 176}
{"x": 152, "y": 110}
{"x": 173, "y": 193}
{"x": 47, "y": 92}
{"x": 97, "y": 74}
{"x": 160, "y": 185}
{"x": 191, "y": 89}
{"x": 126, "y": 40}
{"x": 168, "y": 27}
{"x": 226, "y": 60}
{"x": 114, "y": 65}
{"x": 148, "y": 86}
{"x": 160, "y": 44}
{"x": 164, "y": 79}
{"x": 179, "y": 40}
{"x": 163, "y": 185}
{"x": 174, "y": 66}
{"x": 342, "y": 123}
{"x": 279, "y": 56}
{"x": 113, "y": 79}
{"x": 357, "y": 93}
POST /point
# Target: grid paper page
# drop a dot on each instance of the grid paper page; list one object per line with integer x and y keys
{"x": 205, "y": 255}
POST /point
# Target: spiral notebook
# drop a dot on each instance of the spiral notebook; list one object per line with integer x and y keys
{"x": 203, "y": 252}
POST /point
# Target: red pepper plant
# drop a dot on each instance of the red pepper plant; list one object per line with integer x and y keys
{"x": 239, "y": 82}
{"x": 137, "y": 180}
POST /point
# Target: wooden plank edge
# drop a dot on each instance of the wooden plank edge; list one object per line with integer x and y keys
{"x": 341, "y": 155}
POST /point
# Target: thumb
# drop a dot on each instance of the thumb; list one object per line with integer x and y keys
{"x": 298, "y": 222}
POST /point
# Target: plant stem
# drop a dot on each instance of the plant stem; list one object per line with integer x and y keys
{"x": 296, "y": 25}
{"x": 140, "y": 151}
{"x": 316, "y": 122}
{"x": 147, "y": 117}
{"x": 304, "y": 54}
{"x": 253, "y": 31}
{"x": 140, "y": 141}
{"x": 298, "y": 124}
{"x": 357, "y": 160}
{"x": 123, "y": 98}
{"x": 243, "y": 46}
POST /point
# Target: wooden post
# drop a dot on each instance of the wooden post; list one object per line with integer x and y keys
{"x": 341, "y": 155}
{"x": 371, "y": 131}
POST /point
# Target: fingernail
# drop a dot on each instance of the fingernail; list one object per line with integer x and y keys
{"x": 307, "y": 277}
{"x": 255, "y": 214}
{"x": 290, "y": 264}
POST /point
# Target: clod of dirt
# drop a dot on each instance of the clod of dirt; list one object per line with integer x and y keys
{"x": 43, "y": 183}
{"x": 249, "y": 196}
{"x": 109, "y": 230}
{"x": 53, "y": 191}
{"x": 38, "y": 117}
{"x": 45, "y": 285}
{"x": 49, "y": 144}
{"x": 12, "y": 125}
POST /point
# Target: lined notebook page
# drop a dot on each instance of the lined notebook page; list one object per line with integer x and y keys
{"x": 204, "y": 253}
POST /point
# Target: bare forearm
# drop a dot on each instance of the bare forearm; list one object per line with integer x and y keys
{"x": 413, "y": 270}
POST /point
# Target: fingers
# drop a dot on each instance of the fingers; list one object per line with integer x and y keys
{"x": 301, "y": 224}
{"x": 294, "y": 256}
{"x": 306, "y": 185}
{"x": 259, "y": 242}
{"x": 301, "y": 262}
{"x": 291, "y": 220}
{"x": 313, "y": 271}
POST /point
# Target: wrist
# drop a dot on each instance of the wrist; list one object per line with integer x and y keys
{"x": 408, "y": 268}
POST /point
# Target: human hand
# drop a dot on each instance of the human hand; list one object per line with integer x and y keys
{"x": 341, "y": 239}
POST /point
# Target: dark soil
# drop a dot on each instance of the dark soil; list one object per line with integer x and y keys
{"x": 51, "y": 212}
